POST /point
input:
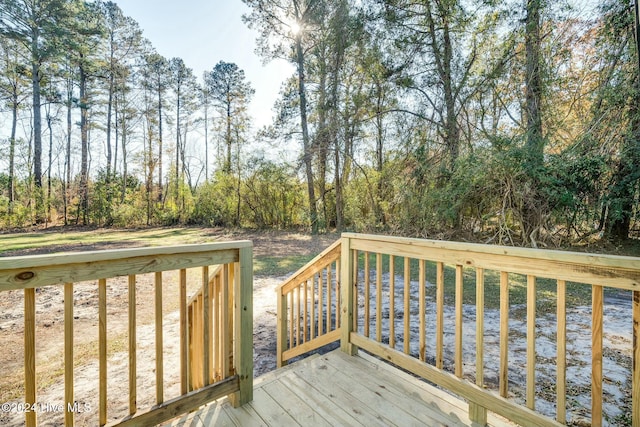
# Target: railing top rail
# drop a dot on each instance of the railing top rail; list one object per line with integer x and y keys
{"x": 42, "y": 270}
{"x": 28, "y": 261}
{"x": 591, "y": 259}
{"x": 304, "y": 271}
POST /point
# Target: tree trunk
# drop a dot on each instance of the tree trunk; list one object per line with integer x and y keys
{"x": 160, "y": 190}
{"x": 37, "y": 131}
{"x": 84, "y": 137}
{"x": 313, "y": 211}
{"x": 12, "y": 150}
{"x": 533, "y": 86}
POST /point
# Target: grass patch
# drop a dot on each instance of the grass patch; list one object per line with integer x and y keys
{"x": 279, "y": 266}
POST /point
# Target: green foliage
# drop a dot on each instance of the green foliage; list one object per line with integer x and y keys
{"x": 273, "y": 196}
{"x": 215, "y": 201}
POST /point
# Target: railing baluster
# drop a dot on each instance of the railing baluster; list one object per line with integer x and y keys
{"x": 329, "y": 299}
{"x": 312, "y": 324}
{"x": 320, "y": 305}
{"x": 596, "y": 355}
{"x": 407, "y": 305}
{"x": 102, "y": 349}
{"x": 229, "y": 325}
{"x": 30, "y": 354}
{"x": 561, "y": 357}
{"x": 635, "y": 372}
{"x": 305, "y": 311}
{"x": 392, "y": 302}
{"x": 531, "y": 342}
{"x": 367, "y": 295}
{"x": 504, "y": 333}
{"x": 217, "y": 329}
{"x": 159, "y": 340}
{"x": 422, "y": 309}
{"x": 379, "y": 297}
{"x": 477, "y": 413}
{"x": 68, "y": 354}
{"x": 213, "y": 322}
{"x": 458, "y": 346}
{"x": 338, "y": 299}
{"x": 298, "y": 314}
{"x": 133, "y": 406}
{"x": 206, "y": 333}
{"x": 291, "y": 328}
{"x": 184, "y": 335}
{"x": 440, "y": 315}
{"x": 354, "y": 274}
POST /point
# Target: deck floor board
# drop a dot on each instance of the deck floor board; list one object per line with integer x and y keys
{"x": 336, "y": 389}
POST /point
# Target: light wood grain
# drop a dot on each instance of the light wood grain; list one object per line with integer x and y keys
{"x": 459, "y": 321}
{"x": 504, "y": 333}
{"x": 347, "y": 296}
{"x": 30, "y": 354}
{"x": 184, "y": 334}
{"x": 422, "y": 311}
{"x": 379, "y": 297}
{"x": 159, "y": 339}
{"x": 392, "y": 301}
{"x": 477, "y": 413}
{"x": 68, "y": 354}
{"x": 133, "y": 373}
{"x": 440, "y": 315}
{"x": 561, "y": 357}
{"x": 367, "y": 295}
{"x": 531, "y": 342}
{"x": 596, "y": 355}
{"x": 407, "y": 306}
{"x": 102, "y": 351}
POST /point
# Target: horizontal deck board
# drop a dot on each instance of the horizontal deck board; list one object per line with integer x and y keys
{"x": 337, "y": 389}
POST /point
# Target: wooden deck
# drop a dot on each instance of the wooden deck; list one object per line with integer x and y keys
{"x": 338, "y": 390}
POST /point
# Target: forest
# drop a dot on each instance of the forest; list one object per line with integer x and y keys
{"x": 503, "y": 122}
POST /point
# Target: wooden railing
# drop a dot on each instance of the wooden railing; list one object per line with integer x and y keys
{"x": 412, "y": 302}
{"x": 309, "y": 306}
{"x": 231, "y": 338}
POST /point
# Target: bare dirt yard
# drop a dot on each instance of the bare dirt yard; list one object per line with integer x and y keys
{"x": 276, "y": 255}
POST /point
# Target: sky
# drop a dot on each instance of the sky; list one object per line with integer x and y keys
{"x": 205, "y": 32}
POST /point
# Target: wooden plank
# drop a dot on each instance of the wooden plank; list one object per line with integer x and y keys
{"x": 354, "y": 282}
{"x": 321, "y": 309}
{"x": 105, "y": 264}
{"x": 367, "y": 296}
{"x": 531, "y": 342}
{"x": 159, "y": 340}
{"x": 68, "y": 354}
{"x": 30, "y": 354}
{"x": 304, "y": 412}
{"x": 281, "y": 328}
{"x": 422, "y": 284}
{"x": 348, "y": 296}
{"x": 206, "y": 332}
{"x": 311, "y": 345}
{"x": 184, "y": 342}
{"x": 313, "y": 323}
{"x": 561, "y": 357}
{"x": 459, "y": 386}
{"x": 243, "y": 328}
{"x": 635, "y": 373}
{"x": 504, "y": 333}
{"x": 180, "y": 405}
{"x": 133, "y": 406}
{"x": 102, "y": 350}
{"x": 329, "y": 410}
{"x": 607, "y": 270}
{"x": 379, "y": 297}
{"x": 227, "y": 301}
{"x": 596, "y": 355}
{"x": 217, "y": 330}
{"x": 338, "y": 292}
{"x": 392, "y": 301}
{"x": 459, "y": 320}
{"x": 298, "y": 315}
{"x": 290, "y": 323}
{"x": 440, "y": 315}
{"x": 270, "y": 411}
{"x": 329, "y": 299}
{"x": 406, "y": 315}
{"x": 305, "y": 312}
{"x": 403, "y": 391}
{"x": 477, "y": 413}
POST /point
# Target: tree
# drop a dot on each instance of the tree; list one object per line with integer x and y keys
{"x": 38, "y": 25}
{"x": 13, "y": 91}
{"x": 286, "y": 24}
{"x": 230, "y": 94}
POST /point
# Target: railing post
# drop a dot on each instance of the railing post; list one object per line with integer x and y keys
{"x": 281, "y": 328}
{"x": 243, "y": 328}
{"x": 347, "y": 296}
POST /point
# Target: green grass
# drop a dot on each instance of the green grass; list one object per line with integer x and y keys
{"x": 279, "y": 266}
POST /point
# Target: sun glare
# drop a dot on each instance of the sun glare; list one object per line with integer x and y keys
{"x": 295, "y": 28}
